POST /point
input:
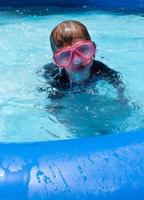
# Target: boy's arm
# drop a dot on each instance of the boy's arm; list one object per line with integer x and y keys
{"x": 114, "y": 78}
{"x": 116, "y": 81}
{"x": 50, "y": 73}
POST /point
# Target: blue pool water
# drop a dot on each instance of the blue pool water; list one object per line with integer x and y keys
{"x": 26, "y": 114}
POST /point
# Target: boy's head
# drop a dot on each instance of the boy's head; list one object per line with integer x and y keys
{"x": 66, "y": 33}
{"x": 72, "y": 46}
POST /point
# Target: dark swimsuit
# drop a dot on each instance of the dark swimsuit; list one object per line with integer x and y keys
{"x": 59, "y": 81}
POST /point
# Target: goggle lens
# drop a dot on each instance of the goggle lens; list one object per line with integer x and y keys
{"x": 86, "y": 50}
{"x": 63, "y": 58}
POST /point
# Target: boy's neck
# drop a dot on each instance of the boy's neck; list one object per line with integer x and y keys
{"x": 79, "y": 76}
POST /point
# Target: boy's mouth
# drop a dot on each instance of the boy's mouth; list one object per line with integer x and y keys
{"x": 78, "y": 68}
{"x": 81, "y": 66}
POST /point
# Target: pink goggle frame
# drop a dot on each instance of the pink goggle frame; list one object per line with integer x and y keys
{"x": 84, "y": 50}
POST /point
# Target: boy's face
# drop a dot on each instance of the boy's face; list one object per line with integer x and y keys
{"x": 77, "y": 62}
{"x": 73, "y": 55}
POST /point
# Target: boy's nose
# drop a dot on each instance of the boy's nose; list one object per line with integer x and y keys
{"x": 76, "y": 59}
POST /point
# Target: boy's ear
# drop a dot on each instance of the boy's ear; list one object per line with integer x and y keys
{"x": 94, "y": 44}
{"x": 94, "y": 47}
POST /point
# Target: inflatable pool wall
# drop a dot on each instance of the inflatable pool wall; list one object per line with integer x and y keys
{"x": 128, "y": 4}
{"x": 99, "y": 168}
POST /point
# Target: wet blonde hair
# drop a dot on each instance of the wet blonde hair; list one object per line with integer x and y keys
{"x": 66, "y": 32}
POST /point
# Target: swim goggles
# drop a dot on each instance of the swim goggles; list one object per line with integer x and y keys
{"x": 83, "y": 51}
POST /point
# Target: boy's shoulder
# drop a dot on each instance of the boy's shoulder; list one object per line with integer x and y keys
{"x": 52, "y": 73}
{"x": 49, "y": 70}
{"x": 102, "y": 69}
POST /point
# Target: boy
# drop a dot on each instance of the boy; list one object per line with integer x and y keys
{"x": 73, "y": 53}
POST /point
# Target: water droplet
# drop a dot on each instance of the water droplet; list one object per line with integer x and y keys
{"x": 2, "y": 172}
{"x": 63, "y": 190}
{"x": 46, "y": 179}
{"x": 85, "y": 6}
{"x": 102, "y": 178}
{"x": 85, "y": 178}
{"x": 91, "y": 161}
{"x": 80, "y": 170}
{"x": 116, "y": 155}
{"x": 38, "y": 174}
{"x": 86, "y": 108}
{"x": 106, "y": 159}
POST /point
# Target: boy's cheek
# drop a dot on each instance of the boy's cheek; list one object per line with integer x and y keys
{"x": 89, "y": 63}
